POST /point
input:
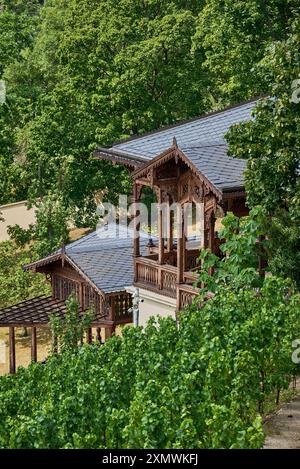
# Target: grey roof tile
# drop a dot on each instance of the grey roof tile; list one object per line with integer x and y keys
{"x": 196, "y": 132}
{"x": 223, "y": 171}
{"x": 106, "y": 256}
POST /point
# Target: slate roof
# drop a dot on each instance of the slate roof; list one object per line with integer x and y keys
{"x": 224, "y": 172}
{"x": 36, "y": 311}
{"x": 105, "y": 256}
{"x": 197, "y": 132}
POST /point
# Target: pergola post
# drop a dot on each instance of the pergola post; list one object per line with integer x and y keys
{"x": 12, "y": 351}
{"x": 109, "y": 332}
{"x": 33, "y": 345}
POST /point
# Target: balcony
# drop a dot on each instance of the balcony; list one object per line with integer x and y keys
{"x": 164, "y": 278}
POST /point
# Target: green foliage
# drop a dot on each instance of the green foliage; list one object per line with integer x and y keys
{"x": 271, "y": 144}
{"x": 83, "y": 73}
{"x": 196, "y": 386}
{"x": 18, "y": 25}
{"x": 243, "y": 247}
{"x": 200, "y": 384}
{"x": 67, "y": 332}
{"x": 50, "y": 230}
{"x": 15, "y": 284}
{"x": 233, "y": 37}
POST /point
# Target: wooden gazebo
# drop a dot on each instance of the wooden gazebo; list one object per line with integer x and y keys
{"x": 185, "y": 176}
{"x": 96, "y": 270}
{"x": 195, "y": 169}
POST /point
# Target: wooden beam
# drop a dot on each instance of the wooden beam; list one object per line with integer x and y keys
{"x": 12, "y": 351}
{"x": 212, "y": 232}
{"x": 81, "y": 295}
{"x": 33, "y": 345}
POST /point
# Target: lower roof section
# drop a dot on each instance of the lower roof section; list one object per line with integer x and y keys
{"x": 37, "y": 312}
{"x": 34, "y": 312}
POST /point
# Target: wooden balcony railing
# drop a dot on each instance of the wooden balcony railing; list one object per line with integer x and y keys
{"x": 185, "y": 296}
{"x": 150, "y": 274}
{"x": 163, "y": 279}
{"x": 120, "y": 308}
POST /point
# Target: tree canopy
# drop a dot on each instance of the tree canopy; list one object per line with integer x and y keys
{"x": 271, "y": 143}
{"x": 204, "y": 383}
{"x": 82, "y": 73}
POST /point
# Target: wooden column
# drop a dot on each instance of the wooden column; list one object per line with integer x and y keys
{"x": 136, "y": 241}
{"x": 183, "y": 251}
{"x": 170, "y": 237}
{"x": 180, "y": 245}
{"x": 33, "y": 345}
{"x": 89, "y": 336}
{"x": 98, "y": 334}
{"x": 160, "y": 233}
{"x": 12, "y": 351}
{"x": 109, "y": 331}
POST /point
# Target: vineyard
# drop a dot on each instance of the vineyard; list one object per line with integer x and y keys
{"x": 78, "y": 76}
{"x": 204, "y": 383}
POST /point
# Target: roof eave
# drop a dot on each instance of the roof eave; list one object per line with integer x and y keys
{"x": 49, "y": 259}
{"x": 240, "y": 188}
{"x": 130, "y": 161}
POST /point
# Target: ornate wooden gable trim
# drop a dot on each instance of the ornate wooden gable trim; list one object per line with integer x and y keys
{"x": 146, "y": 174}
{"x": 64, "y": 258}
{"x": 114, "y": 157}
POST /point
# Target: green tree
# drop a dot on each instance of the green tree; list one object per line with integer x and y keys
{"x": 271, "y": 143}
{"x": 233, "y": 36}
{"x": 50, "y": 230}
{"x": 17, "y": 285}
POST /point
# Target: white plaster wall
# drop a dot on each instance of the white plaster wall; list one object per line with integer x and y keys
{"x": 154, "y": 304}
{"x": 13, "y": 214}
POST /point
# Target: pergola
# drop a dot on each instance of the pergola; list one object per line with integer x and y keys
{"x": 36, "y": 313}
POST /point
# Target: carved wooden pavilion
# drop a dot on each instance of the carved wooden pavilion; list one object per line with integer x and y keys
{"x": 103, "y": 273}
{"x": 195, "y": 169}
